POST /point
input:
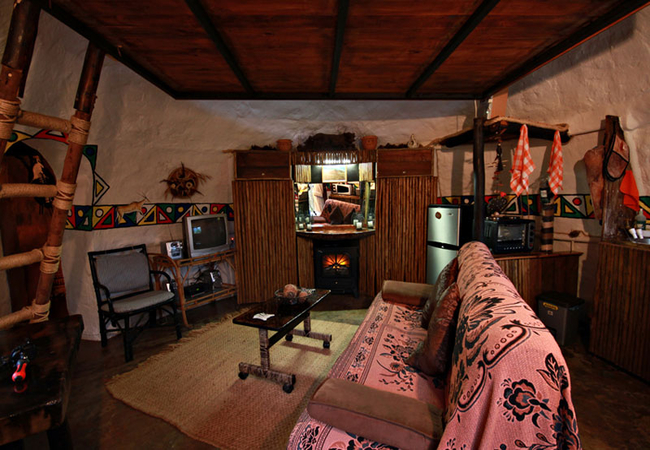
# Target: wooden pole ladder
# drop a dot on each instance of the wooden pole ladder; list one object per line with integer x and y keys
{"x": 15, "y": 63}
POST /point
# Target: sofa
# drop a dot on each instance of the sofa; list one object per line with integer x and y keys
{"x": 337, "y": 212}
{"x": 506, "y": 385}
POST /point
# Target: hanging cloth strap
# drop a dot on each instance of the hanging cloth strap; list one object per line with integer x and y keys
{"x": 522, "y": 165}
{"x": 556, "y": 165}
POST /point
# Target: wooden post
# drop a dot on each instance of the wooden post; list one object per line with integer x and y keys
{"x": 15, "y": 62}
{"x": 84, "y": 103}
{"x": 479, "y": 179}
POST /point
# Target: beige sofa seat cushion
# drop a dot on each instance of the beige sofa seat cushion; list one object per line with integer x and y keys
{"x": 432, "y": 356}
{"x": 415, "y": 294}
{"x": 447, "y": 276}
{"x": 381, "y": 416}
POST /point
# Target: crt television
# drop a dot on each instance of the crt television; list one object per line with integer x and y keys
{"x": 206, "y": 234}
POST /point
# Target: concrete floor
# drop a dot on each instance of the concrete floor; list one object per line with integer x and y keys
{"x": 613, "y": 408}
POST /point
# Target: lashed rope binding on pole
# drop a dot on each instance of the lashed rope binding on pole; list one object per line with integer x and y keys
{"x": 8, "y": 114}
{"x": 64, "y": 195}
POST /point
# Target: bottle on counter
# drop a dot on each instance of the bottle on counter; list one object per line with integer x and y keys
{"x": 639, "y": 224}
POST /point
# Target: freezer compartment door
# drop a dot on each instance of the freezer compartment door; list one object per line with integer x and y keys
{"x": 443, "y": 225}
{"x": 437, "y": 259}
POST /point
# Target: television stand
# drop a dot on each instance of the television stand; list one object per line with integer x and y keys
{"x": 186, "y": 302}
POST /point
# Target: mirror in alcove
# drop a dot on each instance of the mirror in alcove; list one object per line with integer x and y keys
{"x": 334, "y": 194}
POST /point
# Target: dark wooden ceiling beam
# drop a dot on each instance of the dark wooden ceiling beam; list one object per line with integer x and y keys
{"x": 64, "y": 17}
{"x": 341, "y": 20}
{"x": 204, "y": 19}
{"x": 465, "y": 30}
{"x": 319, "y": 96}
{"x": 619, "y": 12}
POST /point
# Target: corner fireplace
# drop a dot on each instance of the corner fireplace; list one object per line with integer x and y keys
{"x": 336, "y": 265}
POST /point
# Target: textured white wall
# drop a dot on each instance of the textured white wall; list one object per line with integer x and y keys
{"x": 142, "y": 133}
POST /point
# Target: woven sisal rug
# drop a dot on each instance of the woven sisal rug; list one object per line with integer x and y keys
{"x": 194, "y": 384}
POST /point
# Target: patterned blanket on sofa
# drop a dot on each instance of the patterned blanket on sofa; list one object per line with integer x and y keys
{"x": 375, "y": 357}
{"x": 508, "y": 386}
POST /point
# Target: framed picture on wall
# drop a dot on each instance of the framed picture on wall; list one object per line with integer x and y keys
{"x": 334, "y": 174}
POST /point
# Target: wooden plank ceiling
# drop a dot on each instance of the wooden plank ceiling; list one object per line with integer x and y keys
{"x": 337, "y": 49}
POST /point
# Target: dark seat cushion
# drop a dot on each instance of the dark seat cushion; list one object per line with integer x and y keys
{"x": 377, "y": 415}
{"x": 415, "y": 294}
{"x": 447, "y": 276}
{"x": 432, "y": 356}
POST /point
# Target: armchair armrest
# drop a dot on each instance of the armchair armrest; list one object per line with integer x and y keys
{"x": 161, "y": 273}
{"x": 382, "y": 416}
{"x": 415, "y": 294}
{"x": 106, "y": 301}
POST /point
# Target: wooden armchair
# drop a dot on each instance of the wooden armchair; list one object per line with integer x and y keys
{"x": 123, "y": 282}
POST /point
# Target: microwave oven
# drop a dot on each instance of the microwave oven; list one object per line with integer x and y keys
{"x": 509, "y": 234}
{"x": 343, "y": 189}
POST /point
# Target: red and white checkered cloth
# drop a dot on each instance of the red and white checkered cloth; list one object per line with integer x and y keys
{"x": 556, "y": 165}
{"x": 522, "y": 165}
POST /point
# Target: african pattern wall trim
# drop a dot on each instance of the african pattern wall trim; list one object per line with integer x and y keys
{"x": 572, "y": 206}
{"x": 105, "y": 217}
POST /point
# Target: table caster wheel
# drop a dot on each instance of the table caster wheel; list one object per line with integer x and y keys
{"x": 288, "y": 388}
{"x": 289, "y": 337}
{"x": 326, "y": 344}
{"x": 243, "y": 375}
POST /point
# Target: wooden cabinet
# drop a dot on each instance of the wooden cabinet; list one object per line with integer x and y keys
{"x": 404, "y": 162}
{"x": 620, "y": 324}
{"x": 535, "y": 273}
{"x": 262, "y": 165}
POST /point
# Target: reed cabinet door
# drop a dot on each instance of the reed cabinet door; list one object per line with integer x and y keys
{"x": 265, "y": 238}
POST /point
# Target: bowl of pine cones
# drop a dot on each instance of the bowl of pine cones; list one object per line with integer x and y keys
{"x": 292, "y": 295}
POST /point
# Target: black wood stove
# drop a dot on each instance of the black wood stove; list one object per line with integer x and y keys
{"x": 336, "y": 266}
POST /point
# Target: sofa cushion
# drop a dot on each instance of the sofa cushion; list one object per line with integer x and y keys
{"x": 448, "y": 275}
{"x": 336, "y": 216}
{"x": 385, "y": 417}
{"x": 433, "y": 355}
{"x": 415, "y": 294}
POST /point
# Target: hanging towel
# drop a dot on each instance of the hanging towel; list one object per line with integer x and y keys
{"x": 522, "y": 165}
{"x": 556, "y": 165}
{"x": 630, "y": 191}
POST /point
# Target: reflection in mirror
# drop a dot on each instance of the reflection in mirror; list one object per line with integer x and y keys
{"x": 335, "y": 203}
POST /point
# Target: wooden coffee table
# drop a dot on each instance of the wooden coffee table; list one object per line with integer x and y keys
{"x": 284, "y": 321}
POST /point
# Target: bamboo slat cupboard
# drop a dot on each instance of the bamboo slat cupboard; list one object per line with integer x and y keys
{"x": 620, "y": 325}
{"x": 269, "y": 254}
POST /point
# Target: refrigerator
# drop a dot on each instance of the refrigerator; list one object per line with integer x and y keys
{"x": 448, "y": 227}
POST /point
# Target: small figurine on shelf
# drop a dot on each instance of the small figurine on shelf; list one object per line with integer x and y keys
{"x": 412, "y": 143}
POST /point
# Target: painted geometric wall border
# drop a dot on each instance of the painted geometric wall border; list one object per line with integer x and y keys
{"x": 106, "y": 217}
{"x": 572, "y": 206}
{"x": 99, "y": 187}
